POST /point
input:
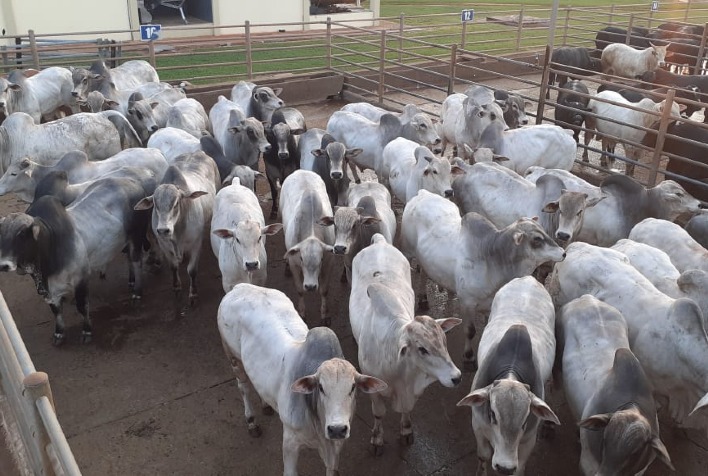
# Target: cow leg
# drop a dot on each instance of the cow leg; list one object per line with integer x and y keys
{"x": 324, "y": 291}
{"x": 355, "y": 174}
{"x": 406, "y": 438}
{"x": 469, "y": 311}
{"x": 423, "y": 304}
{"x": 297, "y": 278}
{"x": 589, "y": 135}
{"x": 247, "y": 392}
{"x": 82, "y": 305}
{"x": 274, "y": 196}
{"x": 484, "y": 453}
{"x": 291, "y": 451}
{"x": 59, "y": 327}
{"x": 192, "y": 268}
{"x": 135, "y": 256}
{"x": 378, "y": 408}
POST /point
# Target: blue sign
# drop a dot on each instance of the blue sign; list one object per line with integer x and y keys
{"x": 655, "y": 6}
{"x": 150, "y": 32}
{"x": 467, "y": 15}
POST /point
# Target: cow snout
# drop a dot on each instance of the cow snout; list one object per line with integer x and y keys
{"x": 283, "y": 155}
{"x": 564, "y": 253}
{"x": 449, "y": 193}
{"x": 267, "y": 148}
{"x": 337, "y": 432}
{"x": 310, "y": 287}
{"x": 336, "y": 175}
{"x": 75, "y": 94}
{"x": 504, "y": 470}
{"x": 524, "y": 122}
{"x": 2, "y": 104}
{"x": 252, "y": 265}
{"x": 163, "y": 231}
{"x": 281, "y": 104}
{"x": 153, "y": 128}
{"x": 456, "y": 381}
{"x": 562, "y": 236}
{"x": 4, "y": 268}
{"x": 437, "y": 141}
{"x": 340, "y": 249}
{"x": 703, "y": 205}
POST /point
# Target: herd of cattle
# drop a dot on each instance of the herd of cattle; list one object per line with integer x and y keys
{"x": 621, "y": 318}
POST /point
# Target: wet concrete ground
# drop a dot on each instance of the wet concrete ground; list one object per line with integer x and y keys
{"x": 154, "y": 394}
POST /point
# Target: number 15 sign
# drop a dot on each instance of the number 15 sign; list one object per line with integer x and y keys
{"x": 467, "y": 15}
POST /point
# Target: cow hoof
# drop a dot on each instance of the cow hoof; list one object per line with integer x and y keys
{"x": 376, "y": 450}
{"x": 268, "y": 410}
{"x": 327, "y": 322}
{"x": 406, "y": 440}
{"x": 86, "y": 337}
{"x": 193, "y": 301}
{"x": 131, "y": 285}
{"x": 255, "y": 431}
{"x": 58, "y": 339}
{"x": 135, "y": 300}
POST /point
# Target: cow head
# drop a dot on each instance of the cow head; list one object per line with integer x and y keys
{"x": 266, "y": 101}
{"x": 336, "y": 155}
{"x": 279, "y": 135}
{"x": 18, "y": 233}
{"x": 252, "y": 131}
{"x": 347, "y": 223}
{"x": 166, "y": 203}
{"x": 435, "y": 173}
{"x": 141, "y": 117}
{"x": 247, "y": 241}
{"x": 245, "y": 175}
{"x": 659, "y": 54}
{"x": 7, "y": 89}
{"x": 529, "y": 246}
{"x": 628, "y": 443}
{"x": 570, "y": 208}
{"x": 18, "y": 178}
{"x": 82, "y": 79}
{"x": 669, "y": 200}
{"x": 309, "y": 255}
{"x": 425, "y": 131}
{"x": 506, "y": 406}
{"x": 333, "y": 387}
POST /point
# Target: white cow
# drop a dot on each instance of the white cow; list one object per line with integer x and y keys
{"x": 356, "y": 131}
{"x": 627, "y": 203}
{"x": 656, "y": 266}
{"x": 300, "y": 374}
{"x": 503, "y": 196}
{"x": 408, "y": 352}
{"x": 256, "y": 101}
{"x": 685, "y": 252}
{"x": 545, "y": 145}
{"x": 242, "y": 138}
{"x": 469, "y": 255}
{"x": 182, "y": 207}
{"x": 607, "y": 390}
{"x": 630, "y": 130}
{"x": 408, "y": 167}
{"x": 623, "y": 60}
{"x": 571, "y": 182}
{"x": 303, "y": 203}
{"x": 516, "y": 354}
{"x": 189, "y": 115}
{"x": 667, "y": 335}
{"x": 238, "y": 232}
{"x": 40, "y": 95}
{"x": 20, "y": 137}
{"x": 173, "y": 142}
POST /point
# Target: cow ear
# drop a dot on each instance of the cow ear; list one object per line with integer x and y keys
{"x": 318, "y": 152}
{"x": 427, "y": 171}
{"x": 326, "y": 221}
{"x": 369, "y": 384}
{"x": 327, "y": 248}
{"x": 543, "y": 411}
{"x": 591, "y": 202}
{"x": 223, "y": 233}
{"x": 351, "y": 153}
{"x": 370, "y": 220}
{"x": 595, "y": 422}
{"x": 291, "y": 252}
{"x": 456, "y": 170}
{"x": 277, "y": 91}
{"x": 272, "y": 229}
{"x": 35, "y": 231}
{"x": 534, "y": 218}
{"x": 111, "y": 103}
{"x": 518, "y": 237}
{"x": 306, "y": 384}
{"x": 298, "y": 131}
{"x": 527, "y": 104}
{"x": 14, "y": 87}
{"x": 144, "y": 204}
{"x": 661, "y": 453}
{"x": 25, "y": 163}
{"x": 702, "y": 404}
{"x": 476, "y": 398}
{"x": 194, "y": 195}
{"x": 235, "y": 129}
{"x": 449, "y": 323}
{"x": 154, "y": 104}
{"x": 551, "y": 207}
{"x": 499, "y": 158}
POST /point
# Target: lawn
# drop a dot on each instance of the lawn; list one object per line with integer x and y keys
{"x": 425, "y": 23}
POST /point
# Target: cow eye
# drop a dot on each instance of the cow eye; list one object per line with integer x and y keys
{"x": 319, "y": 386}
{"x": 13, "y": 174}
{"x": 237, "y": 240}
{"x": 580, "y": 212}
{"x": 480, "y": 114}
{"x": 435, "y": 172}
{"x": 423, "y": 350}
{"x": 492, "y": 417}
{"x": 140, "y": 116}
{"x": 353, "y": 388}
{"x": 493, "y": 116}
{"x": 679, "y": 194}
{"x": 423, "y": 126}
{"x": 84, "y": 81}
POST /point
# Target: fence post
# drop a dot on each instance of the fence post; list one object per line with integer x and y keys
{"x": 249, "y": 58}
{"x": 453, "y": 68}
{"x": 565, "y": 28}
{"x": 401, "y": 26}
{"x": 382, "y": 67}
{"x": 463, "y": 40}
{"x": 36, "y": 385}
{"x": 685, "y": 12}
{"x": 18, "y": 52}
{"x": 651, "y": 18}
{"x": 701, "y": 50}
{"x": 612, "y": 14}
{"x": 661, "y": 137}
{"x": 518, "y": 30}
{"x": 629, "y": 29}
{"x": 33, "y": 48}
{"x": 544, "y": 85}
{"x": 151, "y": 53}
{"x": 329, "y": 43}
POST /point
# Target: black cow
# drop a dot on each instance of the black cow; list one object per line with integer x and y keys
{"x": 572, "y": 60}
{"x": 572, "y": 106}
{"x": 697, "y": 227}
{"x": 694, "y": 83}
{"x": 282, "y": 158}
{"x": 612, "y": 34}
{"x": 684, "y": 52}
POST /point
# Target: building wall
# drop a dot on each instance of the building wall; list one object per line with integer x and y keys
{"x": 54, "y": 16}
{"x": 228, "y": 12}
